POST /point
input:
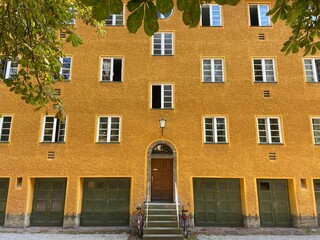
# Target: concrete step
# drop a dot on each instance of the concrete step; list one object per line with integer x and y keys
{"x": 163, "y": 217}
{"x": 162, "y": 230}
{"x": 162, "y": 236}
{"x": 162, "y": 212}
{"x": 161, "y": 206}
{"x": 162, "y": 223}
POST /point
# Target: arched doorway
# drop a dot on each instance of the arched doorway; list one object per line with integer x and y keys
{"x": 161, "y": 176}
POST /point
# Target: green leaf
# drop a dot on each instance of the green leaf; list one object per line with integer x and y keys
{"x": 133, "y": 5}
{"x": 164, "y": 6}
{"x": 116, "y": 6}
{"x": 151, "y": 19}
{"x": 101, "y": 10}
{"x": 74, "y": 39}
{"x": 134, "y": 20}
{"x": 89, "y": 2}
{"x": 182, "y": 4}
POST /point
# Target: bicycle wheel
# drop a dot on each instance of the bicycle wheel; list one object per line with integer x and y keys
{"x": 140, "y": 232}
{"x": 185, "y": 232}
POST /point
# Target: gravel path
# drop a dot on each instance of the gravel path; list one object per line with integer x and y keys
{"x": 37, "y": 236}
{"x": 256, "y": 237}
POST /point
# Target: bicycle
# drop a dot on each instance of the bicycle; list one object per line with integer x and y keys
{"x": 185, "y": 222}
{"x": 139, "y": 221}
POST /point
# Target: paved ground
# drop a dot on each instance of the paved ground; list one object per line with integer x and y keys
{"x": 124, "y": 233}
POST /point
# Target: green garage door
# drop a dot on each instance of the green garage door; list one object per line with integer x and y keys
{"x": 317, "y": 195}
{"x": 48, "y": 202}
{"x": 274, "y": 203}
{"x": 217, "y": 202}
{"x": 106, "y": 202}
{"x": 4, "y": 185}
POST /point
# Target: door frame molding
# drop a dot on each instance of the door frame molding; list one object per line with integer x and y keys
{"x": 150, "y": 156}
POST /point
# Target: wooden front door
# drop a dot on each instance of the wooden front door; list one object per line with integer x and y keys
{"x": 162, "y": 180}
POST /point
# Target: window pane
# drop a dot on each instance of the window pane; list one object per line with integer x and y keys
{"x": 106, "y": 70}
{"x": 264, "y": 19}
{"x": 254, "y": 21}
{"x": 215, "y": 14}
{"x": 205, "y": 15}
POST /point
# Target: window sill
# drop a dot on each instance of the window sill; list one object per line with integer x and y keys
{"x": 270, "y": 144}
{"x": 4, "y": 142}
{"x": 226, "y": 143}
{"x": 117, "y": 26}
{"x": 53, "y": 143}
{"x": 161, "y": 108}
{"x": 265, "y": 82}
{"x": 107, "y": 142}
{"x": 166, "y": 55}
{"x": 110, "y": 81}
{"x": 260, "y": 26}
{"x": 213, "y": 82}
{"x": 211, "y": 26}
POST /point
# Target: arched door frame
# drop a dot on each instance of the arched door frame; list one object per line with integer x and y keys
{"x": 150, "y": 156}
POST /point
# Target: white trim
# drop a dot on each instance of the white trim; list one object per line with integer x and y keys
{"x": 109, "y": 122}
{"x": 212, "y": 65}
{"x": 259, "y": 15}
{"x": 313, "y": 130}
{"x": 7, "y": 69}
{"x": 162, "y": 39}
{"x": 215, "y": 129}
{"x": 263, "y": 69}
{"x": 268, "y": 130}
{"x": 162, "y": 96}
{"x": 111, "y": 68}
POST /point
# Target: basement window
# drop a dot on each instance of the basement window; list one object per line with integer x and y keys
{"x": 111, "y": 70}
{"x": 54, "y": 130}
{"x": 162, "y": 96}
{"x": 258, "y": 15}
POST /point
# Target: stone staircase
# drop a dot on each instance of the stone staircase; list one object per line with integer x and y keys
{"x": 162, "y": 222}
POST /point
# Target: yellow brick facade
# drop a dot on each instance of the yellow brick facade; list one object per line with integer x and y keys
{"x": 239, "y": 99}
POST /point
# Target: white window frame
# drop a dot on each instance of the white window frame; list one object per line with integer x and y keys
{"x": 1, "y": 127}
{"x": 264, "y": 75}
{"x": 162, "y": 96}
{"x": 54, "y": 130}
{"x": 215, "y": 129}
{"x": 313, "y": 130}
{"x": 163, "y": 44}
{"x": 268, "y": 130}
{"x": 111, "y": 68}
{"x": 210, "y": 15}
{"x": 213, "y": 76}
{"x": 108, "y": 130}
{"x": 259, "y": 15}
{"x": 8, "y": 70}
{"x": 114, "y": 19}
{"x": 61, "y": 59}
{"x": 314, "y": 69}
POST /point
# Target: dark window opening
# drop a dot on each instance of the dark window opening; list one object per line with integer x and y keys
{"x": 264, "y": 186}
{"x": 254, "y": 17}
{"x": 117, "y": 70}
{"x": 205, "y": 15}
{"x": 156, "y": 96}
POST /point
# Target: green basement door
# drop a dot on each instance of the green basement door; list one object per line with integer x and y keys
{"x": 217, "y": 202}
{"x": 317, "y": 195}
{"x": 48, "y": 202}
{"x": 4, "y": 185}
{"x": 274, "y": 203}
{"x": 105, "y": 202}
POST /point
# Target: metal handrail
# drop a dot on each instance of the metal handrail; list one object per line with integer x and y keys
{"x": 177, "y": 202}
{"x": 147, "y": 202}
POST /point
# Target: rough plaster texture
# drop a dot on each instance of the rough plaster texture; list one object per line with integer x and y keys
{"x": 238, "y": 98}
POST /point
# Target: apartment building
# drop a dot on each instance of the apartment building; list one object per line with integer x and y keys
{"x": 214, "y": 116}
